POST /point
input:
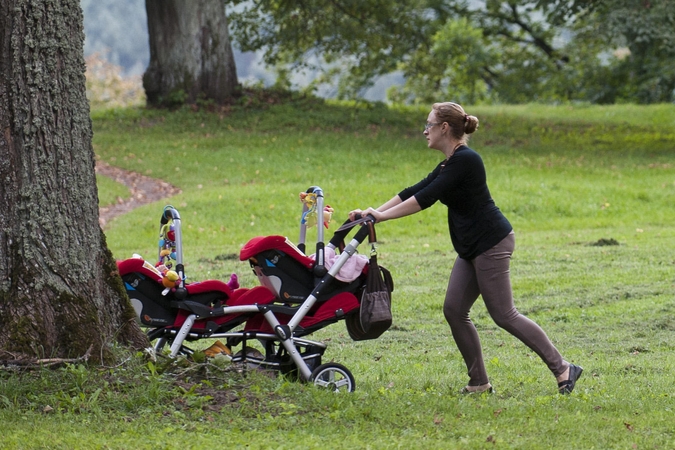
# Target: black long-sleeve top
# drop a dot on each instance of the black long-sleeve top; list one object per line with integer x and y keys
{"x": 476, "y": 223}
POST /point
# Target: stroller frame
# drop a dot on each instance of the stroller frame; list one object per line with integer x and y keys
{"x": 286, "y": 350}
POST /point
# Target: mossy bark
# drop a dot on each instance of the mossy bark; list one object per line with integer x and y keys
{"x": 60, "y": 292}
{"x": 191, "y": 55}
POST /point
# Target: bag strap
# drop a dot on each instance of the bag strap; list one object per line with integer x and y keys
{"x": 372, "y": 240}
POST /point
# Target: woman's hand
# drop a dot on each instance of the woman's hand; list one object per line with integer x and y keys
{"x": 353, "y": 213}
{"x": 370, "y": 211}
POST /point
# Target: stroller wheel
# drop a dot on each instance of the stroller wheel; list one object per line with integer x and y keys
{"x": 334, "y": 377}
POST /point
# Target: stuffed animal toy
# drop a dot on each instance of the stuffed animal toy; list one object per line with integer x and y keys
{"x": 310, "y": 216}
{"x": 234, "y": 282}
{"x": 170, "y": 279}
{"x": 327, "y": 215}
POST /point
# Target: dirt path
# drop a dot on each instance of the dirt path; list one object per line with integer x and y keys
{"x": 143, "y": 190}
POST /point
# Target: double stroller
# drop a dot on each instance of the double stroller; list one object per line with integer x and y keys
{"x": 298, "y": 294}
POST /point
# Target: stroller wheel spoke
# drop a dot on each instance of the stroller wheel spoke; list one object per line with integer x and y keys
{"x": 322, "y": 383}
{"x": 334, "y": 377}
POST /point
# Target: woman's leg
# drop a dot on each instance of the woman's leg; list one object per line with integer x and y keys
{"x": 461, "y": 294}
{"x": 493, "y": 279}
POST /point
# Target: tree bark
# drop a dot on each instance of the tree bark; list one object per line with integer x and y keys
{"x": 60, "y": 291}
{"x": 191, "y": 55}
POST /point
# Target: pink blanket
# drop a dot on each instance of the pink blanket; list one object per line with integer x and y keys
{"x": 351, "y": 269}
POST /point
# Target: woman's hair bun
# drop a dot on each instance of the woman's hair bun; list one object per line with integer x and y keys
{"x": 471, "y": 124}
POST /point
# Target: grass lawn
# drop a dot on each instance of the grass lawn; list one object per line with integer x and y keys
{"x": 588, "y": 189}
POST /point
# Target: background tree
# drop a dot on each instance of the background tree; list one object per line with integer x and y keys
{"x": 190, "y": 52}
{"x": 348, "y": 40}
{"x": 645, "y": 73}
{"x": 60, "y": 292}
{"x": 508, "y": 51}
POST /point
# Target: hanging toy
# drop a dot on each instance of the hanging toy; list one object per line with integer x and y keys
{"x": 327, "y": 215}
{"x": 167, "y": 247}
{"x": 170, "y": 279}
{"x": 309, "y": 217}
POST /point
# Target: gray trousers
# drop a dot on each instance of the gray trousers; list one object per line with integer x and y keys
{"x": 488, "y": 275}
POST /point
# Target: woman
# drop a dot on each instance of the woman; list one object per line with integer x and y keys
{"x": 484, "y": 241}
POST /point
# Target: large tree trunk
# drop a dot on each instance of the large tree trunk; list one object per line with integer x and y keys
{"x": 60, "y": 292}
{"x": 190, "y": 52}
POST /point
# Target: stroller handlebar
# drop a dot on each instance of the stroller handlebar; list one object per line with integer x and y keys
{"x": 169, "y": 213}
{"x": 315, "y": 190}
{"x": 342, "y": 232}
{"x": 318, "y": 195}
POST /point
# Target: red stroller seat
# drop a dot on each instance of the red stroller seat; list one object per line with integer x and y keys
{"x": 290, "y": 274}
{"x": 157, "y": 306}
{"x": 280, "y": 266}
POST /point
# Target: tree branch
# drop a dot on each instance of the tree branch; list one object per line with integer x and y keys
{"x": 33, "y": 363}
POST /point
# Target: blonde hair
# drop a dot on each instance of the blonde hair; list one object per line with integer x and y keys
{"x": 461, "y": 124}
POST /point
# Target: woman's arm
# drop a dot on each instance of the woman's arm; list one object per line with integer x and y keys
{"x": 401, "y": 209}
{"x": 397, "y": 207}
{"x": 396, "y": 200}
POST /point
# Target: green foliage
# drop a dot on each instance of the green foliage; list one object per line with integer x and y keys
{"x": 552, "y": 51}
{"x": 641, "y": 67}
{"x": 489, "y": 51}
{"x": 174, "y": 99}
{"x": 507, "y": 53}
{"x": 352, "y": 40}
{"x": 647, "y": 23}
{"x": 460, "y": 46}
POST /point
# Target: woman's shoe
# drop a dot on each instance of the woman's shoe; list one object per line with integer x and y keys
{"x": 483, "y": 388}
{"x": 567, "y": 386}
